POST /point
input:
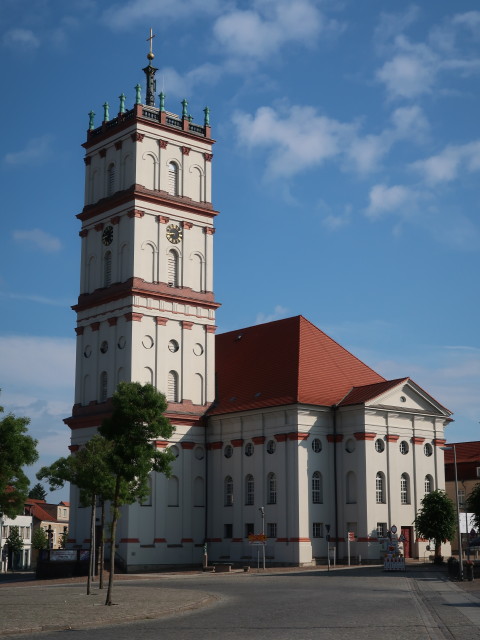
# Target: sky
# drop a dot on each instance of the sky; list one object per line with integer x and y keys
{"x": 346, "y": 171}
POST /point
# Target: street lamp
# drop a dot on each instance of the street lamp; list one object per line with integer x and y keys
{"x": 262, "y": 513}
{"x": 460, "y": 551}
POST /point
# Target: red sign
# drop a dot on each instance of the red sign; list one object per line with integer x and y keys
{"x": 351, "y": 536}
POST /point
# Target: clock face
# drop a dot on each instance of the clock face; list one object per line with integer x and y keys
{"x": 174, "y": 233}
{"x": 107, "y": 235}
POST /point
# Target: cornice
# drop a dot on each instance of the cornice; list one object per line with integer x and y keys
{"x": 138, "y": 287}
{"x": 139, "y": 192}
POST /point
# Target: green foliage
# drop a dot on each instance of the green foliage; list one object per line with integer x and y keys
{"x": 39, "y": 539}
{"x": 472, "y": 504}
{"x": 87, "y": 469}
{"x": 14, "y": 541}
{"x": 437, "y": 519}
{"x": 63, "y": 539}
{"x": 136, "y": 421}
{"x": 37, "y": 492}
{"x": 17, "y": 449}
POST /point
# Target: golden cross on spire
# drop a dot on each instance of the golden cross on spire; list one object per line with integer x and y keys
{"x": 150, "y": 54}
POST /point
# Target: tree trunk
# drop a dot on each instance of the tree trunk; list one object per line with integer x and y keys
{"x": 91, "y": 560}
{"x": 113, "y": 534}
{"x": 102, "y": 544}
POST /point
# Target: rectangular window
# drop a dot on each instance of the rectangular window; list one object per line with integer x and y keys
{"x": 317, "y": 530}
{"x": 382, "y": 529}
{"x": 27, "y": 533}
{"x": 248, "y": 529}
{"x": 5, "y": 531}
{"x": 228, "y": 531}
{"x": 461, "y": 497}
{"x": 271, "y": 529}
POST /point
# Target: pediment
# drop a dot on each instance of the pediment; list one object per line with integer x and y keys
{"x": 408, "y": 396}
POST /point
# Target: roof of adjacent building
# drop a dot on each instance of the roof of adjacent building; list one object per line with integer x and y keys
{"x": 466, "y": 452}
{"x": 285, "y": 362}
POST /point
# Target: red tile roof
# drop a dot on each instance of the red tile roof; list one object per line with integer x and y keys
{"x": 284, "y": 362}
{"x": 466, "y": 452}
{"x": 38, "y": 512}
{"x": 360, "y": 395}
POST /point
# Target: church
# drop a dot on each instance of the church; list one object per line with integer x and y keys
{"x": 278, "y": 429}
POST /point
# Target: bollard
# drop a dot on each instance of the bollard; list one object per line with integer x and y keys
{"x": 469, "y": 571}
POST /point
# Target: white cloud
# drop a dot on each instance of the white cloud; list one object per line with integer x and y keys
{"x": 39, "y": 239}
{"x": 172, "y": 83}
{"x": 447, "y": 165}
{"x": 384, "y": 199}
{"x": 21, "y": 38}
{"x": 470, "y": 19}
{"x": 124, "y": 15}
{"x": 261, "y": 31}
{"x": 54, "y": 302}
{"x": 35, "y": 151}
{"x": 278, "y": 312}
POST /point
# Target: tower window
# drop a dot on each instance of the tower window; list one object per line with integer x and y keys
{"x": 172, "y": 388}
{"x": 173, "y": 179}
{"x": 228, "y": 492}
{"x": 172, "y": 269}
{"x": 404, "y": 489}
{"x": 380, "y": 488}
{"x": 249, "y": 490}
{"x": 429, "y": 484}
{"x": 317, "y": 488}
{"x": 271, "y": 489}
{"x": 107, "y": 269}
{"x": 111, "y": 179}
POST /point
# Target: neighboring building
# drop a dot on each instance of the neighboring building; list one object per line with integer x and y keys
{"x": 24, "y": 524}
{"x": 53, "y": 518}
{"x": 292, "y": 422}
{"x": 468, "y": 475}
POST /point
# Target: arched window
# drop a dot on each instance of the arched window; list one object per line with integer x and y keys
{"x": 91, "y": 272}
{"x": 197, "y": 184}
{"x": 107, "y": 269}
{"x": 172, "y": 492}
{"x": 198, "y": 273}
{"x": 271, "y": 488}
{"x": 120, "y": 375}
{"x": 103, "y": 386}
{"x": 124, "y": 266}
{"x": 228, "y": 492}
{"x": 147, "y": 375}
{"x": 428, "y": 484}
{"x": 173, "y": 178}
{"x": 172, "y": 268}
{"x": 404, "y": 489}
{"x": 380, "y": 488}
{"x": 111, "y": 179}
{"x": 317, "y": 497}
{"x": 351, "y": 487}
{"x": 198, "y": 492}
{"x": 149, "y": 262}
{"x": 198, "y": 389}
{"x": 172, "y": 388}
{"x": 249, "y": 490}
{"x": 86, "y": 390}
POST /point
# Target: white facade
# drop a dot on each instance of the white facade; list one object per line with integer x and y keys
{"x": 24, "y": 524}
{"x": 146, "y": 313}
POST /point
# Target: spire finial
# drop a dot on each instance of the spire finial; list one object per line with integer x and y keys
{"x": 150, "y": 54}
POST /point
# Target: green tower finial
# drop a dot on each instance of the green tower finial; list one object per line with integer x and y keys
{"x": 122, "y": 102}
{"x": 138, "y": 94}
{"x": 106, "y": 116}
{"x": 184, "y": 108}
{"x": 162, "y": 101}
{"x": 91, "y": 116}
{"x": 190, "y": 117}
{"x": 206, "y": 111}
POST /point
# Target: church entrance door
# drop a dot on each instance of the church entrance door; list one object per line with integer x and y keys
{"x": 407, "y": 544}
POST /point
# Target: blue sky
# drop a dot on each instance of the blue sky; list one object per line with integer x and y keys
{"x": 346, "y": 171}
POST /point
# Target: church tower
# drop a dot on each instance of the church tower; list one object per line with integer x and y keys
{"x": 146, "y": 309}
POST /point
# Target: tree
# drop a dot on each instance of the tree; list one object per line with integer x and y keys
{"x": 14, "y": 543}
{"x": 39, "y": 539}
{"x": 436, "y": 520}
{"x": 17, "y": 449}
{"x": 472, "y": 505}
{"x": 89, "y": 470}
{"x": 137, "y": 420}
{"x": 37, "y": 492}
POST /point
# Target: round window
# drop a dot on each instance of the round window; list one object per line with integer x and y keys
{"x": 147, "y": 342}
{"x": 173, "y": 346}
{"x": 104, "y": 347}
{"x": 249, "y": 449}
{"x": 427, "y": 449}
{"x": 122, "y": 342}
{"x": 350, "y": 445}
{"x": 404, "y": 447}
{"x": 271, "y": 446}
{"x": 199, "y": 453}
{"x": 228, "y": 451}
{"x": 379, "y": 445}
{"x": 316, "y": 445}
{"x": 198, "y": 349}
{"x": 88, "y": 351}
